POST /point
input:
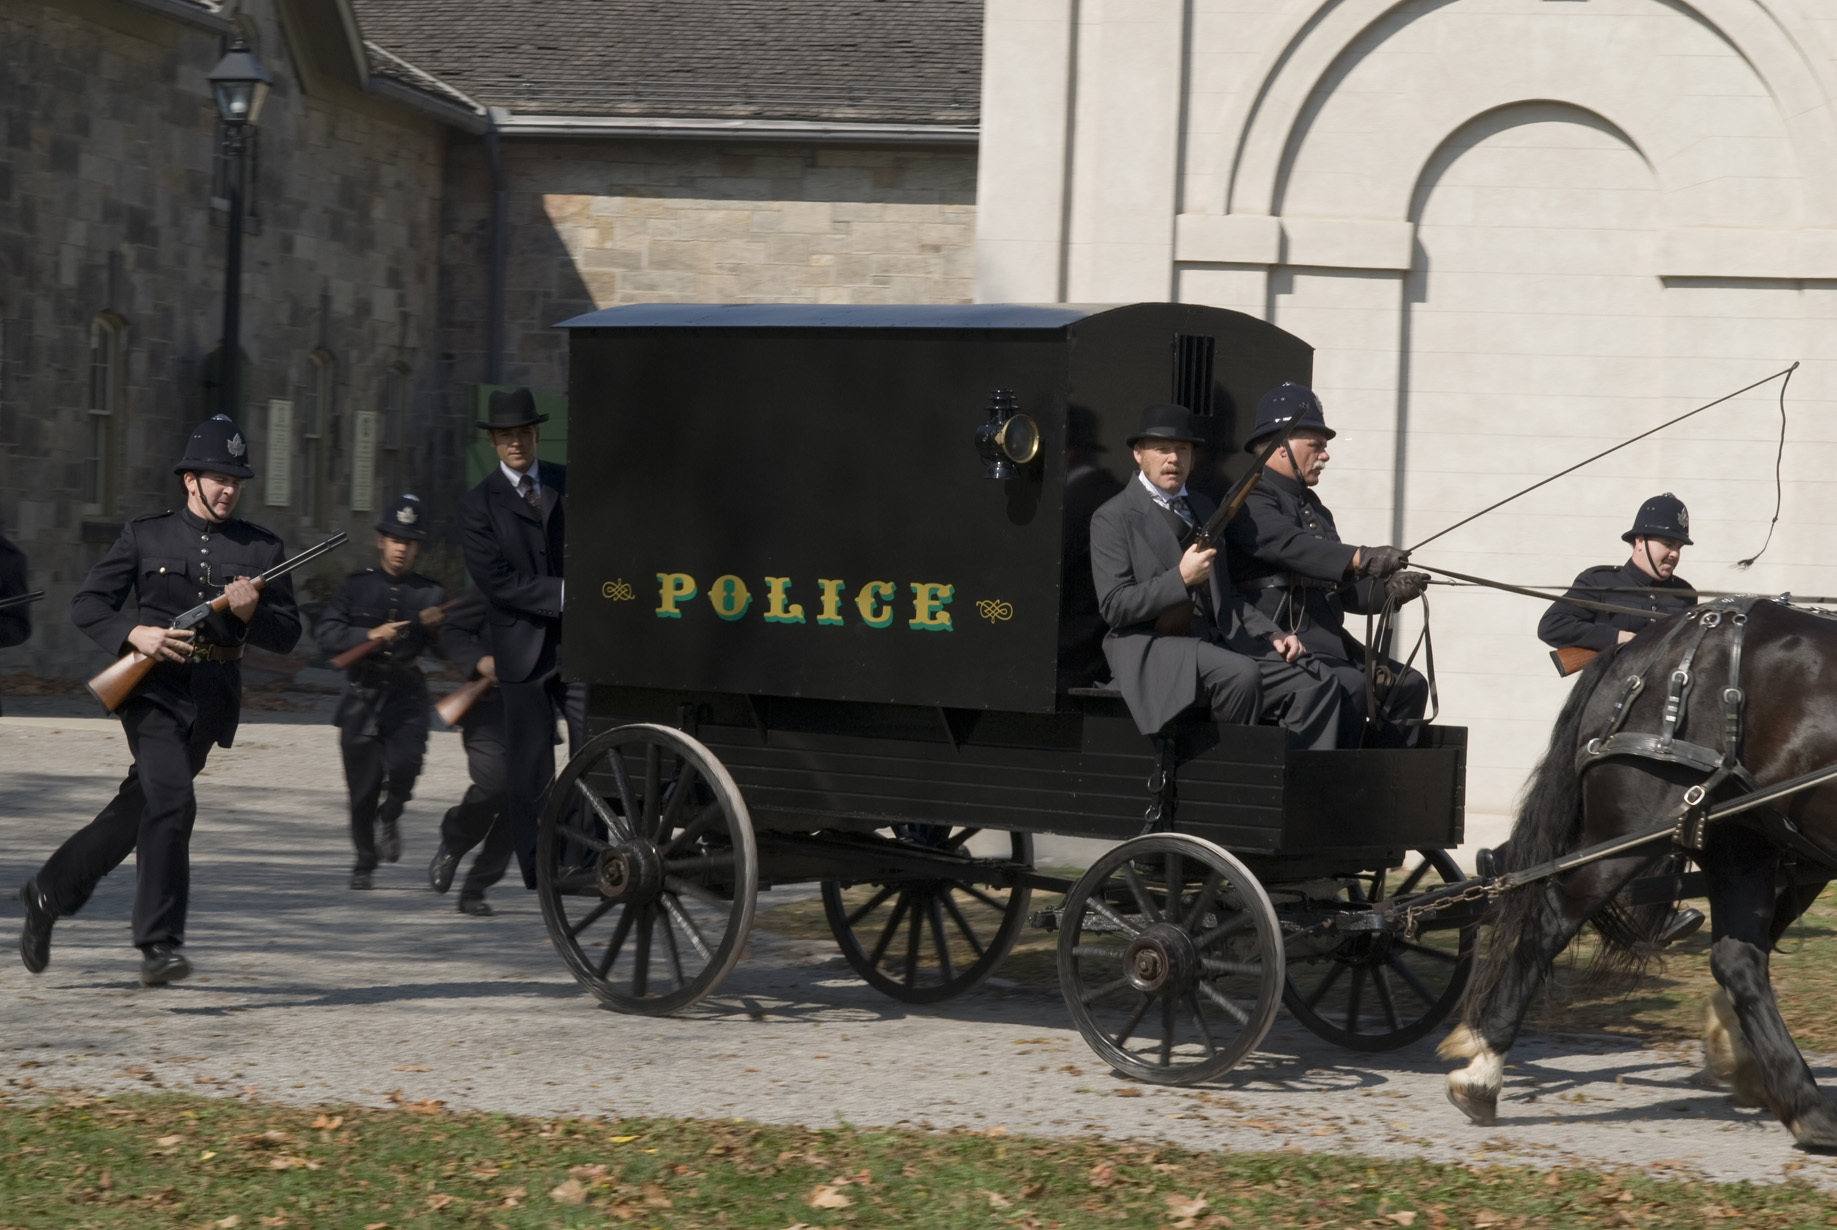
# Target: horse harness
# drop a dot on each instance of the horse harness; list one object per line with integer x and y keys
{"x": 1721, "y": 764}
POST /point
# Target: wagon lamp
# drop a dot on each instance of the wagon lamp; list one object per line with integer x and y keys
{"x": 1009, "y": 439}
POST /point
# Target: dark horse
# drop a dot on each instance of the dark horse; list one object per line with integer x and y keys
{"x": 1788, "y": 726}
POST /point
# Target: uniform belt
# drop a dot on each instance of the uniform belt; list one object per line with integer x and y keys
{"x": 1284, "y": 580}
{"x": 206, "y": 652}
{"x": 373, "y": 667}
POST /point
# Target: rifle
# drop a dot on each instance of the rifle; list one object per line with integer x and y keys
{"x": 1177, "y": 620}
{"x": 1574, "y": 658}
{"x": 454, "y": 704}
{"x": 21, "y": 599}
{"x": 114, "y": 685}
{"x": 363, "y": 649}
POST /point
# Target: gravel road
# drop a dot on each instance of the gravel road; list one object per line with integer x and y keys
{"x": 308, "y": 992}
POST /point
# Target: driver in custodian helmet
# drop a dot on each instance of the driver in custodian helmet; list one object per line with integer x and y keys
{"x": 1659, "y": 535}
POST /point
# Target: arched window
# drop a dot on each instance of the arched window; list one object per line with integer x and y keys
{"x": 102, "y": 422}
{"x": 315, "y": 437}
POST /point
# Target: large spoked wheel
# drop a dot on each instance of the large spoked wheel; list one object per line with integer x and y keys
{"x": 1170, "y": 957}
{"x": 935, "y": 934}
{"x": 646, "y": 869}
{"x": 1376, "y": 990}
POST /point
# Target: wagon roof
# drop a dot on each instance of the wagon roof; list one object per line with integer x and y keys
{"x": 837, "y": 316}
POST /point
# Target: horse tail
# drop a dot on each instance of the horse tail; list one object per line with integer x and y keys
{"x": 1548, "y": 825}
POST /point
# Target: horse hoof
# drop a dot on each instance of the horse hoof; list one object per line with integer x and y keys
{"x": 1481, "y": 1109}
{"x": 1816, "y": 1131}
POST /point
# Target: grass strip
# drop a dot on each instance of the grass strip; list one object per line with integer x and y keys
{"x": 178, "y": 1160}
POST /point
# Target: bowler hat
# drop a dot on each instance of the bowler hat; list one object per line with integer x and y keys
{"x": 1288, "y": 405}
{"x": 1166, "y": 421}
{"x": 404, "y": 518}
{"x": 1662, "y": 516}
{"x": 512, "y": 408}
{"x": 217, "y": 446}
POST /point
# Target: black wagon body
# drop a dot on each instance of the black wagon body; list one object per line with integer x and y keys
{"x": 795, "y": 577}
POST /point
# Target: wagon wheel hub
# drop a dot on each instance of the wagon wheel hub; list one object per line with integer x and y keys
{"x": 1161, "y": 959}
{"x": 631, "y": 872}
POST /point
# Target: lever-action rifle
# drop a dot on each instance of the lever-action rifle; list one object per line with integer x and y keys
{"x": 21, "y": 599}
{"x": 114, "y": 685}
{"x": 1177, "y": 620}
{"x": 454, "y": 704}
{"x": 364, "y": 649}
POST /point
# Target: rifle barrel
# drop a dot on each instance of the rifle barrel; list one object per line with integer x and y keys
{"x": 21, "y": 599}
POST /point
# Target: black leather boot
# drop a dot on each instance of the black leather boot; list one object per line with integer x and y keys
{"x": 35, "y": 936}
{"x": 162, "y": 963}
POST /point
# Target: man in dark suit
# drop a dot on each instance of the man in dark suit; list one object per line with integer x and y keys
{"x": 1227, "y": 654}
{"x": 478, "y": 816}
{"x": 513, "y": 526}
{"x": 1286, "y": 557}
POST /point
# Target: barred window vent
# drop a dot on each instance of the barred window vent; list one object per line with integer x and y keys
{"x": 1193, "y": 371}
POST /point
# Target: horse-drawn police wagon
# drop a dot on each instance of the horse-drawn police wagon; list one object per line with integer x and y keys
{"x": 829, "y": 586}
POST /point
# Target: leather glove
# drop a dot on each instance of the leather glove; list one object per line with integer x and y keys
{"x": 1402, "y": 587}
{"x": 1381, "y": 561}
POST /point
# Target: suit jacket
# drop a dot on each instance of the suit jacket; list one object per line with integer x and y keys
{"x": 1135, "y": 565}
{"x": 1284, "y": 532}
{"x": 515, "y": 557}
{"x": 1564, "y": 626}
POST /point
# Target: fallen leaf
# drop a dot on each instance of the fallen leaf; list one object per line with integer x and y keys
{"x": 104, "y": 1182}
{"x": 228, "y": 1223}
{"x": 620, "y": 1140}
{"x": 377, "y": 1225}
{"x": 1071, "y": 1069}
{"x": 909, "y": 1171}
{"x": 654, "y": 1197}
{"x": 1189, "y": 1208}
{"x": 1129, "y": 1093}
{"x": 586, "y": 1174}
{"x": 166, "y": 1142}
{"x": 996, "y": 1199}
{"x": 207, "y": 1155}
{"x": 439, "y": 1200}
{"x": 484, "y": 1170}
{"x": 1033, "y": 1191}
{"x": 412, "y": 1067}
{"x": 1101, "y": 1175}
{"x": 328, "y": 1123}
{"x": 997, "y": 1130}
{"x": 1405, "y": 1218}
{"x": 823, "y": 1196}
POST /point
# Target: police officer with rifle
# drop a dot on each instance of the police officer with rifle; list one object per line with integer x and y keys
{"x": 206, "y": 585}
{"x": 379, "y": 622}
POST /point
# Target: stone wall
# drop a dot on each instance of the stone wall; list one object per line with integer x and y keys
{"x": 607, "y": 223}
{"x": 105, "y": 191}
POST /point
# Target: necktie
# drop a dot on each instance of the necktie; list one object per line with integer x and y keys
{"x": 528, "y": 486}
{"x": 1179, "y": 505}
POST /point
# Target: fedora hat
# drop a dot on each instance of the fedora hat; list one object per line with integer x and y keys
{"x": 1166, "y": 421}
{"x": 511, "y": 408}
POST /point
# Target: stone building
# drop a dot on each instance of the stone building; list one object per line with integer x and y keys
{"x": 436, "y": 184}
{"x": 1517, "y": 231}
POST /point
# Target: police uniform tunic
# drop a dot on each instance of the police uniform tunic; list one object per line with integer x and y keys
{"x": 382, "y": 716}
{"x": 1286, "y": 557}
{"x": 170, "y": 562}
{"x": 1564, "y": 626}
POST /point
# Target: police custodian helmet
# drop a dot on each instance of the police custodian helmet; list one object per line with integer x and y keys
{"x": 217, "y": 446}
{"x": 404, "y": 518}
{"x": 1287, "y": 405}
{"x": 1662, "y": 516}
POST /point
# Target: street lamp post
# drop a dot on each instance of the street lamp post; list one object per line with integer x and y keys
{"x": 240, "y": 84}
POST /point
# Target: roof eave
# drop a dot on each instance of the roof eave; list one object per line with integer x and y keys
{"x": 629, "y": 127}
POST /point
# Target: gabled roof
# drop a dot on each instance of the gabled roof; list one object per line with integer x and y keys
{"x": 889, "y": 61}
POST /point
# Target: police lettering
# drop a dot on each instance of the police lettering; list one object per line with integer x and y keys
{"x": 876, "y": 603}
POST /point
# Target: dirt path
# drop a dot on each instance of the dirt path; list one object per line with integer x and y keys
{"x": 309, "y": 992}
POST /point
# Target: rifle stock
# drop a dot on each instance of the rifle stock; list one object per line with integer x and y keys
{"x": 455, "y": 704}
{"x": 1177, "y": 620}
{"x": 114, "y": 685}
{"x": 363, "y": 649}
{"x": 1574, "y": 658}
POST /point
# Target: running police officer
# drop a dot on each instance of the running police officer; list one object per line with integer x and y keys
{"x": 479, "y": 815}
{"x": 382, "y": 717}
{"x": 1659, "y": 535}
{"x": 192, "y": 698}
{"x": 1287, "y": 557}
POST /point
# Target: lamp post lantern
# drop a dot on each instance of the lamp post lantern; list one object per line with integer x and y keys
{"x": 240, "y": 84}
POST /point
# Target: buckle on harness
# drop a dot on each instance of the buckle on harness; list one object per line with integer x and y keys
{"x": 1693, "y": 821}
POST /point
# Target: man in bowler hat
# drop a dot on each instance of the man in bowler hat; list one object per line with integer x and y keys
{"x": 1220, "y": 651}
{"x": 170, "y": 561}
{"x": 1287, "y": 558}
{"x": 513, "y": 526}
{"x": 1659, "y": 535}
{"x": 382, "y": 716}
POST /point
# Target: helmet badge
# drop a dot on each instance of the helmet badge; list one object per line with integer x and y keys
{"x": 407, "y": 515}
{"x": 236, "y": 446}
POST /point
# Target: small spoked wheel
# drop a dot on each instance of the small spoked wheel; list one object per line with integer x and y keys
{"x": 1370, "y": 990}
{"x": 934, "y": 933}
{"x": 1170, "y": 958}
{"x": 646, "y": 869}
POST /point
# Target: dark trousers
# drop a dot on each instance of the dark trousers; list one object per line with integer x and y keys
{"x": 1244, "y": 690}
{"x": 152, "y": 813}
{"x": 1408, "y": 699}
{"x": 530, "y": 711}
{"x": 477, "y": 816}
{"x": 382, "y": 760}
